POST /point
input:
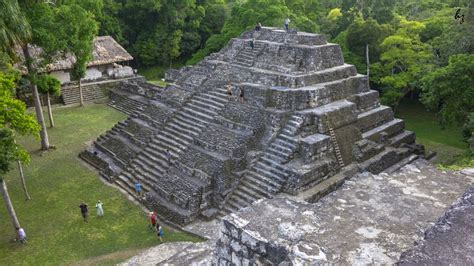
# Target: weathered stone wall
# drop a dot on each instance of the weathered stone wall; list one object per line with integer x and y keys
{"x": 242, "y": 247}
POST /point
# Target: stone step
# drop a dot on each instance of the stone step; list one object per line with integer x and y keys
{"x": 207, "y": 104}
{"x": 127, "y": 179}
{"x": 242, "y": 195}
{"x": 246, "y": 56}
{"x": 203, "y": 110}
{"x": 373, "y": 118}
{"x": 194, "y": 113}
{"x": 189, "y": 118}
{"x": 211, "y": 98}
{"x": 278, "y": 153}
{"x": 237, "y": 204}
{"x": 173, "y": 140}
{"x": 183, "y": 128}
{"x": 230, "y": 209}
{"x": 146, "y": 174}
{"x": 253, "y": 189}
{"x": 267, "y": 178}
{"x": 159, "y": 148}
{"x": 219, "y": 94}
{"x": 191, "y": 122}
{"x": 271, "y": 163}
{"x": 286, "y": 138}
{"x": 275, "y": 158}
{"x": 150, "y": 161}
{"x": 261, "y": 182}
{"x": 279, "y": 179}
{"x": 147, "y": 181}
{"x": 404, "y": 137}
{"x": 281, "y": 148}
{"x": 126, "y": 187}
{"x": 391, "y": 128}
{"x": 187, "y": 136}
{"x": 169, "y": 142}
{"x": 284, "y": 143}
{"x": 268, "y": 168}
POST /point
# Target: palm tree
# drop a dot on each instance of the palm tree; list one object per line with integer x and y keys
{"x": 14, "y": 29}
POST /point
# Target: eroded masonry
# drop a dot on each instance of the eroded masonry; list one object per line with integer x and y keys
{"x": 306, "y": 116}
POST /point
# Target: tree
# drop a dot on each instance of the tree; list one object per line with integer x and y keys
{"x": 79, "y": 33}
{"x": 49, "y": 85}
{"x": 364, "y": 38}
{"x": 13, "y": 119}
{"x": 14, "y": 29}
{"x": 450, "y": 90}
{"x": 404, "y": 60}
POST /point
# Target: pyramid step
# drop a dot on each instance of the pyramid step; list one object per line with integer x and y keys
{"x": 391, "y": 128}
{"x": 281, "y": 148}
{"x": 185, "y": 129}
{"x": 249, "y": 198}
{"x": 197, "y": 113}
{"x": 207, "y": 104}
{"x": 190, "y": 119}
{"x": 184, "y": 138}
{"x": 203, "y": 110}
{"x": 266, "y": 180}
{"x": 279, "y": 179}
{"x": 171, "y": 141}
{"x": 252, "y": 189}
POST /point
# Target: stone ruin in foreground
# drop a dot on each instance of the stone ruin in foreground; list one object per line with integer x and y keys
{"x": 307, "y": 116}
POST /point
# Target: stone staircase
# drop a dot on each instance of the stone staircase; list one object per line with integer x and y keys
{"x": 123, "y": 103}
{"x": 71, "y": 95}
{"x": 246, "y": 57}
{"x": 151, "y": 165}
{"x": 267, "y": 176}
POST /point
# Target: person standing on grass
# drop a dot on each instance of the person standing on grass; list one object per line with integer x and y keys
{"x": 153, "y": 219}
{"x": 159, "y": 232}
{"x": 287, "y": 23}
{"x": 100, "y": 209}
{"x": 21, "y": 235}
{"x": 84, "y": 211}
{"x": 138, "y": 188}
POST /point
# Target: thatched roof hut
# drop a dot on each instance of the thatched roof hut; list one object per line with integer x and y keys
{"x": 105, "y": 51}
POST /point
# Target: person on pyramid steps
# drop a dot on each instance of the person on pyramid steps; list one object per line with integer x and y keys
{"x": 287, "y": 23}
{"x": 258, "y": 27}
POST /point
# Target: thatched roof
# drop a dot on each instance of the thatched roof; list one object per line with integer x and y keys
{"x": 105, "y": 50}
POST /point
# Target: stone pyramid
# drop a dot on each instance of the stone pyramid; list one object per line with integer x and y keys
{"x": 306, "y": 116}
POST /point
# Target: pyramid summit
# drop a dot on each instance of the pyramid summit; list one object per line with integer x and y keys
{"x": 272, "y": 112}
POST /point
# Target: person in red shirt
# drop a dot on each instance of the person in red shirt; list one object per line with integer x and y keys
{"x": 153, "y": 219}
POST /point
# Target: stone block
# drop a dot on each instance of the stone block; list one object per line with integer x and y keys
{"x": 315, "y": 147}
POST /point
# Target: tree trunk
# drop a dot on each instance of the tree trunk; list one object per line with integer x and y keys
{"x": 367, "y": 59}
{"x": 36, "y": 98}
{"x": 81, "y": 97}
{"x": 8, "y": 204}
{"x": 50, "y": 112}
{"x": 23, "y": 182}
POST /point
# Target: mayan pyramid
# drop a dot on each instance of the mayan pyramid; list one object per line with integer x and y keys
{"x": 306, "y": 115}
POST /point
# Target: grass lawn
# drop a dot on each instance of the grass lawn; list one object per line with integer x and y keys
{"x": 58, "y": 181}
{"x": 154, "y": 74}
{"x": 447, "y": 142}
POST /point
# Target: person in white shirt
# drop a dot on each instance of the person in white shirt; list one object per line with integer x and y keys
{"x": 287, "y": 22}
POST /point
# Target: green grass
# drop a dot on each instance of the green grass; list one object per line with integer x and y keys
{"x": 58, "y": 181}
{"x": 446, "y": 142}
{"x": 157, "y": 72}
